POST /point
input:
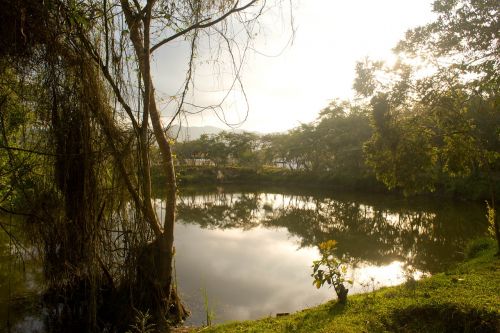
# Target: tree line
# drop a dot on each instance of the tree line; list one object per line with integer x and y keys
{"x": 333, "y": 144}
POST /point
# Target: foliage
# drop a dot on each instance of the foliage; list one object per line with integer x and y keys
{"x": 331, "y": 270}
{"x": 95, "y": 113}
{"x": 209, "y": 311}
{"x": 223, "y": 149}
{"x": 490, "y": 217}
{"x": 478, "y": 245}
{"x": 463, "y": 41}
{"x": 439, "y": 125}
{"x": 20, "y": 168}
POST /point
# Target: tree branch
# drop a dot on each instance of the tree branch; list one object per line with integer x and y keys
{"x": 201, "y": 24}
{"x": 112, "y": 83}
{"x": 186, "y": 85}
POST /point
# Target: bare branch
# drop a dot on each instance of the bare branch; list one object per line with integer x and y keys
{"x": 29, "y": 151}
{"x": 203, "y": 24}
{"x": 188, "y": 80}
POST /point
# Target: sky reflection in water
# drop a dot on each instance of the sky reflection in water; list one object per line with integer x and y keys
{"x": 257, "y": 273}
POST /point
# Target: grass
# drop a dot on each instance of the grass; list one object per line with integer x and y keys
{"x": 464, "y": 299}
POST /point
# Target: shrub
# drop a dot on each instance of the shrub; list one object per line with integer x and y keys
{"x": 331, "y": 270}
{"x": 478, "y": 245}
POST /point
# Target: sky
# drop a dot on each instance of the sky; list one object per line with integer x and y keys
{"x": 285, "y": 83}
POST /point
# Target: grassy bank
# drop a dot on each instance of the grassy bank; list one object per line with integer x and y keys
{"x": 464, "y": 299}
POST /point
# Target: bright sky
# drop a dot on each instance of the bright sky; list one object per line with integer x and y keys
{"x": 293, "y": 86}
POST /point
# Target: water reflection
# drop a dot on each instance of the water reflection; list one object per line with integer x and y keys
{"x": 20, "y": 283}
{"x": 245, "y": 276}
{"x": 252, "y": 252}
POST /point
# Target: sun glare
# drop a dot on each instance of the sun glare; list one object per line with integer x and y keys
{"x": 390, "y": 275}
{"x": 297, "y": 81}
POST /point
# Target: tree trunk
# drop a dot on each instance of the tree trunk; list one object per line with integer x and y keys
{"x": 166, "y": 239}
{"x": 342, "y": 294}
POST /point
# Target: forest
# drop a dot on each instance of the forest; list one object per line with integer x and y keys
{"x": 86, "y": 154}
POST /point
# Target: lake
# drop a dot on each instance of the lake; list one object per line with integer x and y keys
{"x": 247, "y": 253}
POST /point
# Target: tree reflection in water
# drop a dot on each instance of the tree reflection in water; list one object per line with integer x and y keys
{"x": 423, "y": 235}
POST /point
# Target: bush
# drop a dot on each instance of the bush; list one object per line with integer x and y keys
{"x": 332, "y": 270}
{"x": 478, "y": 245}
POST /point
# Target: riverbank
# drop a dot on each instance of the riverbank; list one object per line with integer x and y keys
{"x": 463, "y": 299}
{"x": 211, "y": 175}
{"x": 476, "y": 189}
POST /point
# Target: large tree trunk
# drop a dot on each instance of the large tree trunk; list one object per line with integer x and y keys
{"x": 164, "y": 242}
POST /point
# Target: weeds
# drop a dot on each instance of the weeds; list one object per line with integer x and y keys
{"x": 490, "y": 215}
{"x": 209, "y": 311}
{"x": 370, "y": 288}
{"x": 476, "y": 246}
{"x": 410, "y": 283}
{"x": 142, "y": 323}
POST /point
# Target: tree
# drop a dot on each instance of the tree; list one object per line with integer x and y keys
{"x": 242, "y": 147}
{"x": 343, "y": 127}
{"x": 441, "y": 125}
{"x": 100, "y": 97}
{"x": 148, "y": 26}
{"x": 332, "y": 145}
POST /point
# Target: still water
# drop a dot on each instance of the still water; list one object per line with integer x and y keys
{"x": 248, "y": 254}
